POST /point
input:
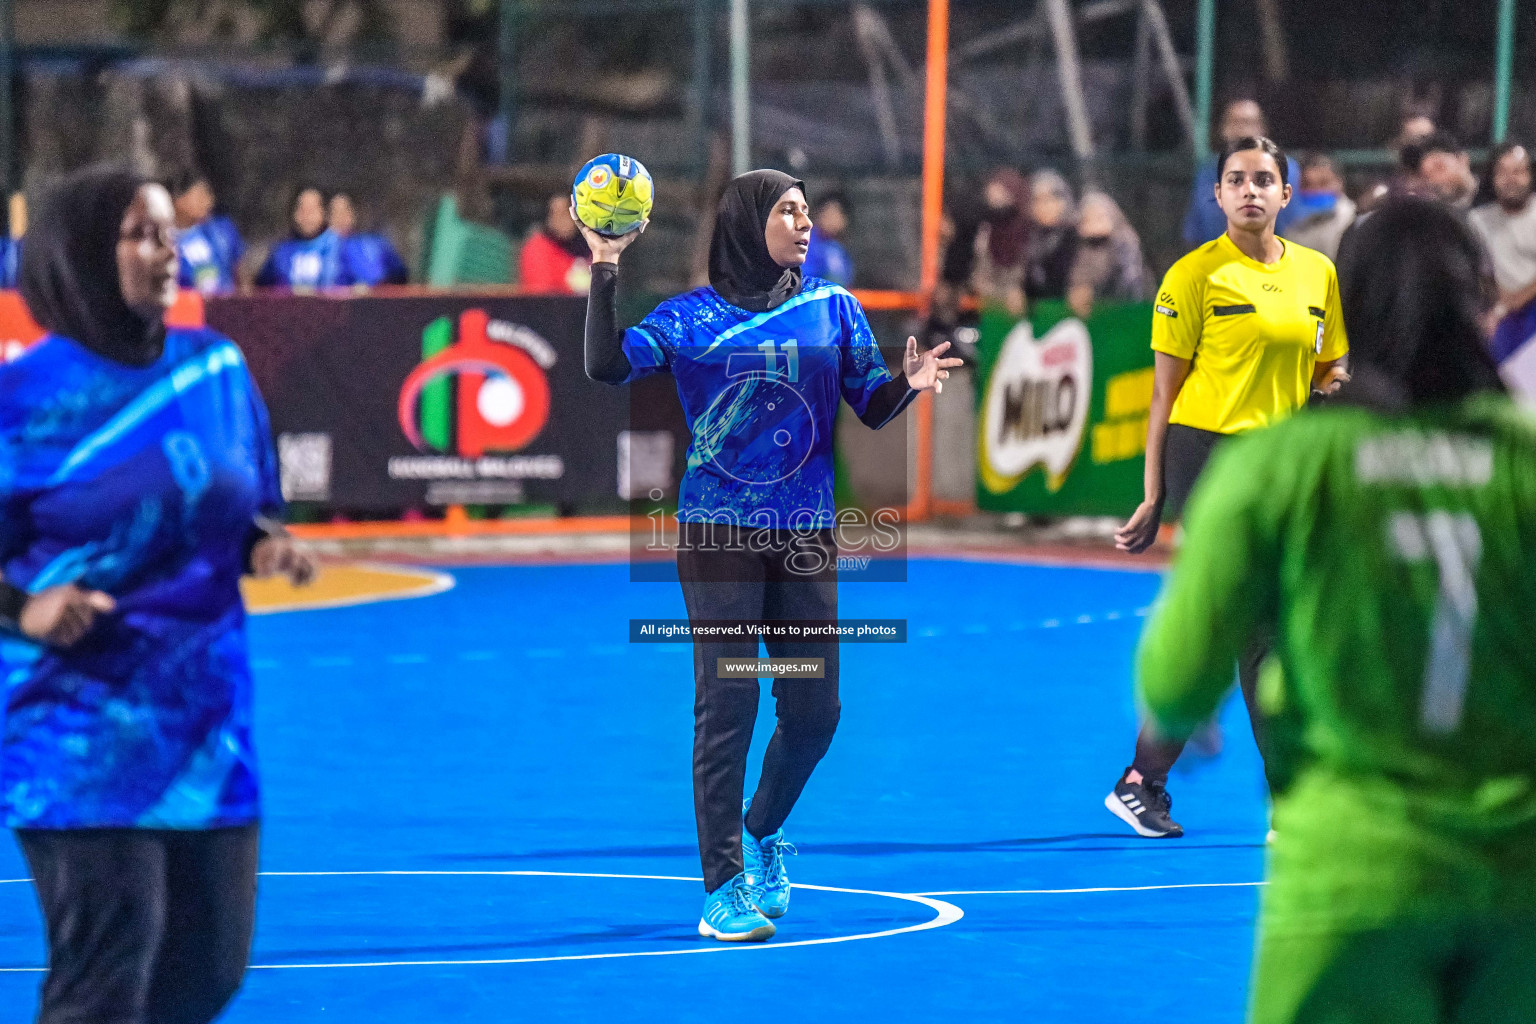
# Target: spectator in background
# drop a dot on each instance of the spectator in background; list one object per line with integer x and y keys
{"x": 1416, "y": 127}
{"x": 10, "y": 241}
{"x": 367, "y": 260}
{"x": 555, "y": 259}
{"x": 1109, "y": 263}
{"x": 1440, "y": 169}
{"x": 1323, "y": 211}
{"x": 310, "y": 257}
{"x": 986, "y": 254}
{"x": 1052, "y": 247}
{"x": 1204, "y": 222}
{"x": 208, "y": 246}
{"x": 1507, "y": 229}
{"x": 827, "y": 258}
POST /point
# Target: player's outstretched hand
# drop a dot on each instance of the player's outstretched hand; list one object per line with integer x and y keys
{"x": 605, "y": 249}
{"x": 926, "y": 370}
{"x": 281, "y": 554}
{"x": 61, "y": 615}
{"x": 1141, "y": 529}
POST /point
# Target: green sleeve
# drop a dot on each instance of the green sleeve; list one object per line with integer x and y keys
{"x": 1223, "y": 584}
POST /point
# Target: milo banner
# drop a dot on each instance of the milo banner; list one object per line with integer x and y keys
{"x": 381, "y": 404}
{"x": 1062, "y": 417}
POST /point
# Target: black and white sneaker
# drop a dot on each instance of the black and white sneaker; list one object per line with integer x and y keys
{"x": 1144, "y": 806}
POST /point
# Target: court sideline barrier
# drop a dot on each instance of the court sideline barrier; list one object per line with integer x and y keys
{"x": 410, "y": 398}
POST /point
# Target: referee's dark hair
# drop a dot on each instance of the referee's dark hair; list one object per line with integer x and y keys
{"x": 1413, "y": 293}
{"x": 1259, "y": 142}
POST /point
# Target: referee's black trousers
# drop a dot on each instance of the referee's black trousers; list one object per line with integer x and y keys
{"x": 736, "y": 574}
{"x": 145, "y": 926}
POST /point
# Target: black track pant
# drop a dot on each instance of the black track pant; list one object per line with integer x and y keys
{"x": 734, "y": 574}
{"x": 145, "y": 926}
{"x": 1184, "y": 457}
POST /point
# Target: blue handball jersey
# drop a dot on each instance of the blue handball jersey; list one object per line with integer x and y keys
{"x": 207, "y": 255}
{"x": 305, "y": 263}
{"x": 760, "y": 392}
{"x": 141, "y": 482}
{"x": 370, "y": 260}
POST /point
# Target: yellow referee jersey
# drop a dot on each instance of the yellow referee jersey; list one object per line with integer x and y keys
{"x": 1253, "y": 332}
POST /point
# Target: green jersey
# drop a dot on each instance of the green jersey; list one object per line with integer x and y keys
{"x": 1394, "y": 557}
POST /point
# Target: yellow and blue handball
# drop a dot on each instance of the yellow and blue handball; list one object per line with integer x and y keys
{"x": 613, "y": 194}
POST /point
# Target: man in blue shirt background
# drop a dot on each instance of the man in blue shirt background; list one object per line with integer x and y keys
{"x": 208, "y": 246}
{"x": 367, "y": 259}
{"x": 826, "y": 257}
{"x": 1204, "y": 221}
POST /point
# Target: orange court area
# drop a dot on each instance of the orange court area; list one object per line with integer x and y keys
{"x": 341, "y": 584}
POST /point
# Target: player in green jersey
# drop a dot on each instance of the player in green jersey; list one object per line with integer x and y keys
{"x": 1392, "y": 540}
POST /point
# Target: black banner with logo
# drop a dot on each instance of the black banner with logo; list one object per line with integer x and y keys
{"x": 381, "y": 404}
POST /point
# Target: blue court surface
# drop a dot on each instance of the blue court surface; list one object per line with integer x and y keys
{"x": 478, "y": 808}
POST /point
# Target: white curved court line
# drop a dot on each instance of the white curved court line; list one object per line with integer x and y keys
{"x": 1107, "y": 888}
{"x": 944, "y": 914}
{"x": 432, "y": 582}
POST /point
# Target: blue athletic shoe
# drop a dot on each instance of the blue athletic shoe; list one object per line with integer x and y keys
{"x": 730, "y": 916}
{"x": 764, "y": 861}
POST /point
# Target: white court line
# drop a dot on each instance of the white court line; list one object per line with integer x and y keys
{"x": 1107, "y": 888}
{"x": 945, "y": 914}
{"x": 432, "y": 582}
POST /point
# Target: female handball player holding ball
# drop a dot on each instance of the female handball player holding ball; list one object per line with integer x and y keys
{"x": 761, "y": 356}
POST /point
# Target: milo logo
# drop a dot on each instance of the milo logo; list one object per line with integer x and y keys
{"x": 1036, "y": 406}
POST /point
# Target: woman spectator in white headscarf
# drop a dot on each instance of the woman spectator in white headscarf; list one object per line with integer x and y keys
{"x": 1052, "y": 244}
{"x": 1108, "y": 263}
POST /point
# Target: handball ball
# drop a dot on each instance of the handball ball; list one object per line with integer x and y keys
{"x": 613, "y": 194}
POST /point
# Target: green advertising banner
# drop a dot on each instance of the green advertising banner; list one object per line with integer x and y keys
{"x": 1062, "y": 410}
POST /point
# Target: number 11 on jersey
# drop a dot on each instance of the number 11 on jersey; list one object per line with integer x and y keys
{"x": 770, "y": 351}
{"x": 1456, "y": 545}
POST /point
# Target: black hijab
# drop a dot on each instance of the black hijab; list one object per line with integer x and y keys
{"x": 740, "y": 268}
{"x": 69, "y": 276}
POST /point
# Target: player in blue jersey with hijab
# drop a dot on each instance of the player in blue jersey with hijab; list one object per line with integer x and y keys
{"x": 310, "y": 258}
{"x": 137, "y": 485}
{"x": 762, "y": 358}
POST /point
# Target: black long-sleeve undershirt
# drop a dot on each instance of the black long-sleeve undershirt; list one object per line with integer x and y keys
{"x": 603, "y": 350}
{"x": 887, "y": 402}
{"x": 604, "y": 345}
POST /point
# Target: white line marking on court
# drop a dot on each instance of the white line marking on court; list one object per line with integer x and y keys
{"x": 433, "y": 582}
{"x": 944, "y": 914}
{"x": 1107, "y": 888}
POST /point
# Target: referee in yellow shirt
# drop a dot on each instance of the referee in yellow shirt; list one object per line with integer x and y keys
{"x": 1243, "y": 330}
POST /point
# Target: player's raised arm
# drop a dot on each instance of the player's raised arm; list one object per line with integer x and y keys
{"x": 611, "y": 205}
{"x": 604, "y": 344}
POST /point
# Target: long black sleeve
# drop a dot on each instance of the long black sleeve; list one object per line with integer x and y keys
{"x": 604, "y": 345}
{"x": 887, "y": 402}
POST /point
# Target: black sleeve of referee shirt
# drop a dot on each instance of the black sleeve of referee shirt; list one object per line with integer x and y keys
{"x": 604, "y": 346}
{"x": 887, "y": 402}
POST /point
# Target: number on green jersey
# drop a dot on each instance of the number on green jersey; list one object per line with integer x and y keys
{"x": 1455, "y": 544}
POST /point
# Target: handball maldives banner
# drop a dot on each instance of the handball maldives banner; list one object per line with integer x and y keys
{"x": 389, "y": 402}
{"x": 1062, "y": 410}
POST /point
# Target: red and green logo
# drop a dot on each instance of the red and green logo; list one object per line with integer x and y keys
{"x": 484, "y": 392}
